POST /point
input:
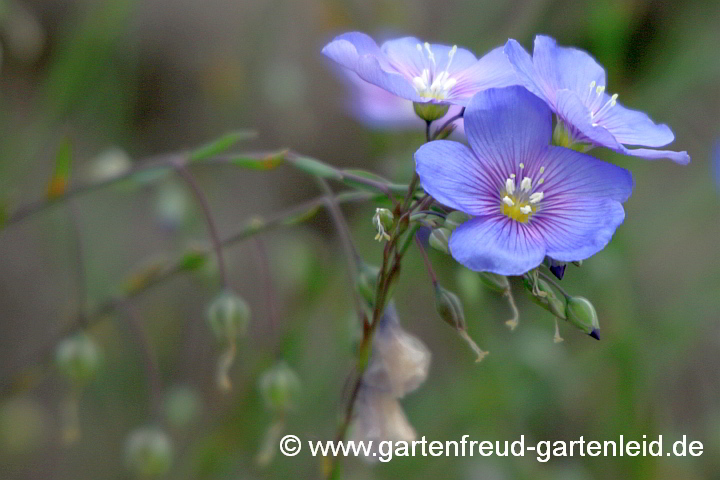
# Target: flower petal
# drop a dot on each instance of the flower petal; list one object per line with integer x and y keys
{"x": 450, "y": 172}
{"x": 565, "y": 67}
{"x": 497, "y": 244}
{"x": 579, "y": 228}
{"x": 507, "y": 126}
{"x": 345, "y": 49}
{"x": 631, "y": 127}
{"x": 577, "y": 116}
{"x": 522, "y": 64}
{"x": 370, "y": 70}
{"x": 681, "y": 158}
{"x": 571, "y": 175}
{"x": 492, "y": 71}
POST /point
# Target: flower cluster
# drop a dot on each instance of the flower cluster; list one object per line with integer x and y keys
{"x": 533, "y": 194}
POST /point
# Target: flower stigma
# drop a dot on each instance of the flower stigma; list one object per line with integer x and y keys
{"x": 430, "y": 84}
{"x": 521, "y": 202}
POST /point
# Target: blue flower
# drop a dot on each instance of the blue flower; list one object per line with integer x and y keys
{"x": 573, "y": 85}
{"x": 419, "y": 71}
{"x": 377, "y": 108}
{"x": 528, "y": 199}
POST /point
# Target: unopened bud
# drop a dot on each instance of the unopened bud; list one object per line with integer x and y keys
{"x": 430, "y": 111}
{"x": 495, "y": 282}
{"x": 450, "y": 309}
{"x": 280, "y": 387}
{"x": 367, "y": 281}
{"x": 545, "y": 296}
{"x": 581, "y": 313}
{"x": 383, "y": 221}
{"x": 182, "y": 406}
{"x": 445, "y": 132}
{"x": 228, "y": 316}
{"x": 455, "y": 219}
{"x": 439, "y": 239}
{"x": 148, "y": 452}
{"x": 78, "y": 358}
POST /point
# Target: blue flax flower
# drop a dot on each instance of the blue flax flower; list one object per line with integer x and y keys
{"x": 573, "y": 85}
{"x": 528, "y": 199}
{"x": 421, "y": 72}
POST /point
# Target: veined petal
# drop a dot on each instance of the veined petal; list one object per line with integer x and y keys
{"x": 571, "y": 175}
{"x": 345, "y": 49}
{"x": 369, "y": 69}
{"x": 522, "y": 64}
{"x": 577, "y": 117}
{"x": 681, "y": 158}
{"x": 631, "y": 127}
{"x": 450, "y": 172}
{"x": 507, "y": 126}
{"x": 580, "y": 228}
{"x": 566, "y": 67}
{"x": 497, "y": 244}
{"x": 492, "y": 71}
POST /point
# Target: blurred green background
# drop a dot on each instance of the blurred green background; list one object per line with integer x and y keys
{"x": 131, "y": 80}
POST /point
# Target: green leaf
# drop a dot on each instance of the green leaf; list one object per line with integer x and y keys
{"x": 260, "y": 162}
{"x": 316, "y": 168}
{"x": 221, "y": 145}
{"x": 61, "y": 176}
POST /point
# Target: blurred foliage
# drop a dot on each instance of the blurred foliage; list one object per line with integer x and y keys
{"x": 140, "y": 78}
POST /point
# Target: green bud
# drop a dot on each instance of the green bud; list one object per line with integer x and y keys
{"x": 182, "y": 406}
{"x": 439, "y": 239}
{"x": 228, "y": 316}
{"x": 279, "y": 387}
{"x": 367, "y": 281}
{"x": 148, "y": 452}
{"x": 581, "y": 313}
{"x": 495, "y": 282}
{"x": 455, "y": 219}
{"x": 383, "y": 221}
{"x": 445, "y": 132}
{"x": 545, "y": 296}
{"x": 78, "y": 358}
{"x": 430, "y": 111}
{"x": 193, "y": 259}
{"x": 449, "y": 307}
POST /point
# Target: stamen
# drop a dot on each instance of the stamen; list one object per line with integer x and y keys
{"x": 431, "y": 56}
{"x": 522, "y": 165}
{"x": 526, "y": 184}
{"x": 600, "y": 90}
{"x": 512, "y": 175}
{"x": 508, "y": 201}
{"x": 536, "y": 197}
{"x": 542, "y": 170}
{"x": 510, "y": 186}
{"x": 608, "y": 105}
{"x": 541, "y": 181}
{"x": 526, "y": 209}
{"x": 592, "y": 87}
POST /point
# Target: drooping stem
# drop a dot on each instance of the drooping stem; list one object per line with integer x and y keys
{"x": 209, "y": 220}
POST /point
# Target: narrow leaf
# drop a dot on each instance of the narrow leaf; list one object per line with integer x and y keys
{"x": 221, "y": 145}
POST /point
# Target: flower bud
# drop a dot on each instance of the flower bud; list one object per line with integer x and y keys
{"x": 544, "y": 295}
{"x": 148, "y": 452}
{"x": 495, "y": 282}
{"x": 455, "y": 219}
{"x": 430, "y": 111}
{"x": 445, "y": 132}
{"x": 182, "y": 406}
{"x": 449, "y": 307}
{"x": 228, "y": 316}
{"x": 367, "y": 281}
{"x": 383, "y": 221}
{"x": 78, "y": 358}
{"x": 279, "y": 387}
{"x": 439, "y": 239}
{"x": 581, "y": 313}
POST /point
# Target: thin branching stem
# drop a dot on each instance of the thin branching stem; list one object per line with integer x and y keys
{"x": 209, "y": 220}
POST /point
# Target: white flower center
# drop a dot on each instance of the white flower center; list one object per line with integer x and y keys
{"x": 594, "y": 101}
{"x": 521, "y": 203}
{"x": 431, "y": 84}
